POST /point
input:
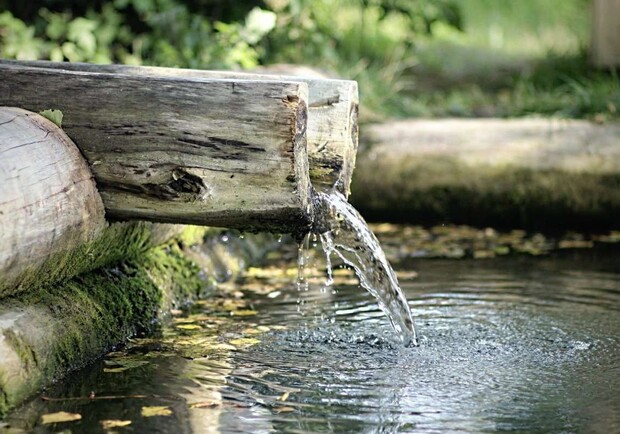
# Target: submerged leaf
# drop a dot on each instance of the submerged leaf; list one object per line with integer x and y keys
{"x": 157, "y": 410}
{"x": 284, "y": 409}
{"x": 114, "y": 423}
{"x": 61, "y": 416}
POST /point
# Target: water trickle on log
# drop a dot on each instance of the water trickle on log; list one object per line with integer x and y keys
{"x": 344, "y": 232}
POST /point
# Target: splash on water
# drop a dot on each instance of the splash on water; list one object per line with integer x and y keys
{"x": 344, "y": 233}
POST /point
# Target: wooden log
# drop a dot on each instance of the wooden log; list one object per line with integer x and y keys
{"x": 606, "y": 33}
{"x": 332, "y": 133}
{"x": 217, "y": 152}
{"x": 49, "y": 203}
{"x": 537, "y": 174}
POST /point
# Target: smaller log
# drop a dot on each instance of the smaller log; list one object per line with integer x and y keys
{"x": 536, "y": 174}
{"x": 332, "y": 130}
{"x": 217, "y": 152}
{"x": 49, "y": 204}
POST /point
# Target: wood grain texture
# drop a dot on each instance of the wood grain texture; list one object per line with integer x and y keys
{"x": 332, "y": 131}
{"x": 49, "y": 204}
{"x": 218, "y": 152}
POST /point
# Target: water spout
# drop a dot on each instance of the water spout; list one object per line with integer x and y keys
{"x": 344, "y": 233}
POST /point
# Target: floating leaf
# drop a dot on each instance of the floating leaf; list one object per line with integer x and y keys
{"x": 204, "y": 404}
{"x": 61, "y": 416}
{"x": 114, "y": 370}
{"x": 53, "y": 115}
{"x": 244, "y": 342}
{"x": 114, "y": 423}
{"x": 188, "y": 326}
{"x": 157, "y": 410}
{"x": 243, "y": 312}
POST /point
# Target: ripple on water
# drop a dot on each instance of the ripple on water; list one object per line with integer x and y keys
{"x": 521, "y": 345}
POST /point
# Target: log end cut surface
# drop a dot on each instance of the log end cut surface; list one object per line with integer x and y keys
{"x": 48, "y": 200}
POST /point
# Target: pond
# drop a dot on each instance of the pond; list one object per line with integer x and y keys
{"x": 515, "y": 343}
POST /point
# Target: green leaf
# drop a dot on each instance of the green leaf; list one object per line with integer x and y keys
{"x": 258, "y": 23}
{"x": 61, "y": 416}
{"x": 53, "y": 115}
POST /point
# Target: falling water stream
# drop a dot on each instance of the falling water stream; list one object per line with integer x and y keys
{"x": 344, "y": 233}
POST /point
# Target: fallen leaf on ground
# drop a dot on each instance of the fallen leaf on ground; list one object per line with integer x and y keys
{"x": 114, "y": 423}
{"x": 284, "y": 397}
{"x": 157, "y": 410}
{"x": 61, "y": 416}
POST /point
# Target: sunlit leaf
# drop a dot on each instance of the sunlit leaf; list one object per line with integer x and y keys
{"x": 61, "y": 416}
{"x": 204, "y": 404}
{"x": 243, "y": 312}
{"x": 53, "y": 115}
{"x": 188, "y": 326}
{"x": 157, "y": 410}
{"x": 244, "y": 342}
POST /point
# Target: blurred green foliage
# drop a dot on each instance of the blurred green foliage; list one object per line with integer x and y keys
{"x": 217, "y": 33}
{"x": 410, "y": 57}
{"x": 367, "y": 40}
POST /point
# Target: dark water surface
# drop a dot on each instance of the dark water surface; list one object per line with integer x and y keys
{"x": 516, "y": 344}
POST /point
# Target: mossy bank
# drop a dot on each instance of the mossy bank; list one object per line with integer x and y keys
{"x": 52, "y": 329}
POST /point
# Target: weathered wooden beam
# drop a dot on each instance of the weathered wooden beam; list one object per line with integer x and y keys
{"x": 217, "y": 152}
{"x": 536, "y": 174}
{"x": 332, "y": 132}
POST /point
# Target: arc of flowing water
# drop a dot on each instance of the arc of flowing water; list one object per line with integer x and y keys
{"x": 344, "y": 232}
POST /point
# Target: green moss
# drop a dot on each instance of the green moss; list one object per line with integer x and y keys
{"x": 87, "y": 315}
{"x": 107, "y": 249}
{"x": 21, "y": 348}
{"x": 442, "y": 190}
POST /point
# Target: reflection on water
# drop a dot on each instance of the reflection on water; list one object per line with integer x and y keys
{"x": 519, "y": 344}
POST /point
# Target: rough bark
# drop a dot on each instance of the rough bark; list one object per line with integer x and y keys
{"x": 48, "y": 332}
{"x": 49, "y": 204}
{"x": 538, "y": 174}
{"x": 52, "y": 224}
{"x": 218, "y": 152}
{"x": 332, "y": 132}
